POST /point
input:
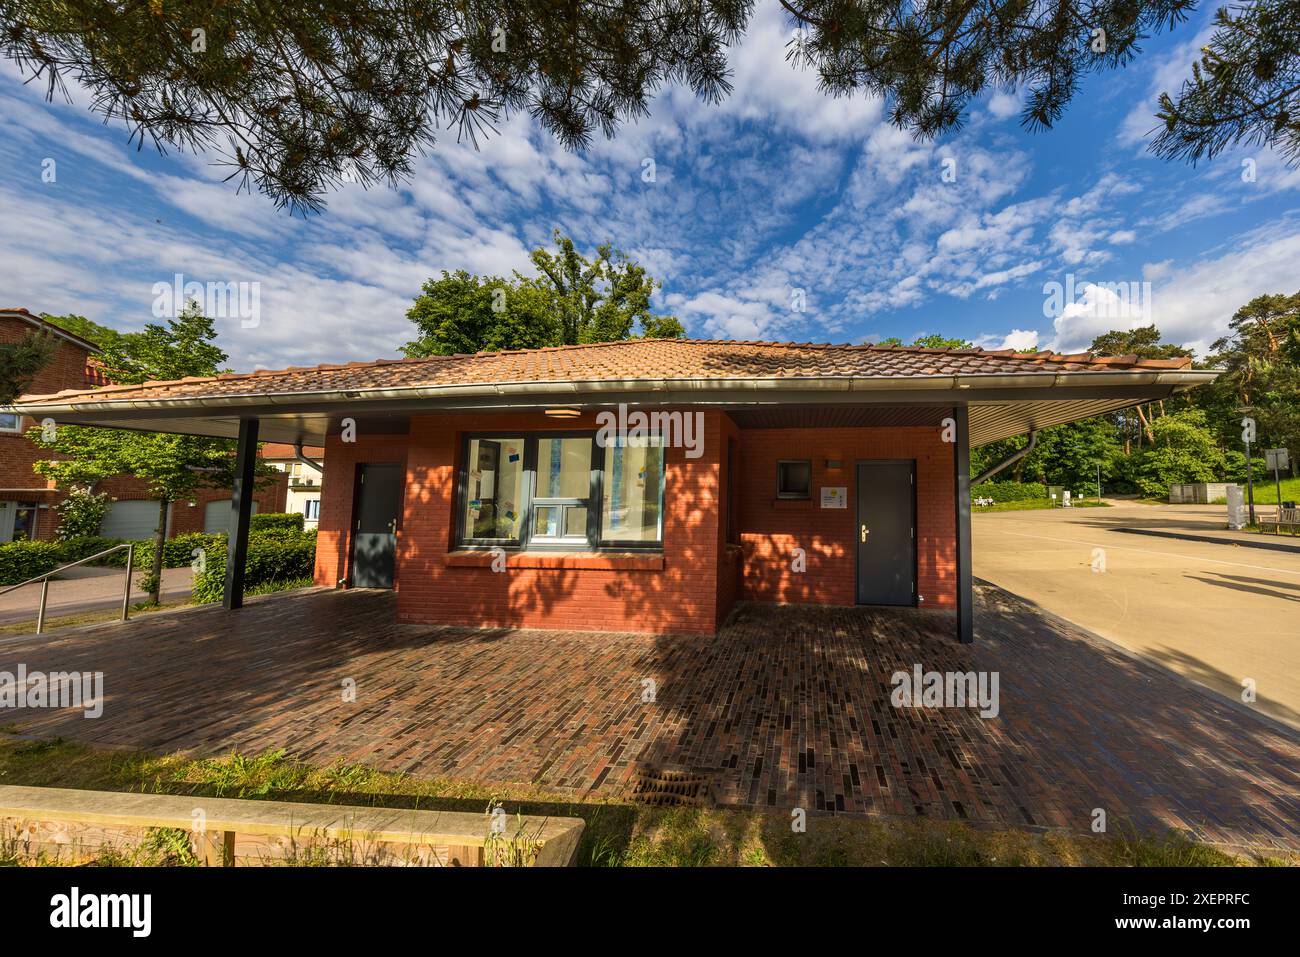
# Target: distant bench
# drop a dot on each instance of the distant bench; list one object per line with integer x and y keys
{"x": 224, "y": 831}
{"x": 1283, "y": 517}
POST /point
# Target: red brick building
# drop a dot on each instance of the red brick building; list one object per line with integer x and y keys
{"x": 28, "y": 500}
{"x": 646, "y": 485}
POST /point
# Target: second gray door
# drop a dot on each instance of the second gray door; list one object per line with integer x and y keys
{"x": 886, "y": 533}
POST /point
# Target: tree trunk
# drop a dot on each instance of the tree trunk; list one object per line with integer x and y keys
{"x": 159, "y": 540}
{"x": 1146, "y": 425}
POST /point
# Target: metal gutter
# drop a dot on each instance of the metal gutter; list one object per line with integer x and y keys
{"x": 607, "y": 390}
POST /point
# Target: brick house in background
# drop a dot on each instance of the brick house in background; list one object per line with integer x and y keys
{"x": 28, "y": 500}
{"x": 305, "y": 480}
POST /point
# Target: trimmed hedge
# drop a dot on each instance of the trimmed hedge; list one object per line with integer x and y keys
{"x": 1009, "y": 491}
{"x": 177, "y": 552}
{"x": 20, "y": 561}
{"x": 276, "y": 521}
{"x": 271, "y": 559}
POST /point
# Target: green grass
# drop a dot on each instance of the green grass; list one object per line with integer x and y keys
{"x": 1036, "y": 503}
{"x": 1266, "y": 491}
{"x": 618, "y": 834}
{"x": 288, "y": 584}
{"x": 27, "y": 626}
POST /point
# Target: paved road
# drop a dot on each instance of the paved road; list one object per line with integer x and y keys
{"x": 1215, "y": 612}
{"x": 87, "y": 589}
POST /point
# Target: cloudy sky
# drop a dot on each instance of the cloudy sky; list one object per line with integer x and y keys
{"x": 781, "y": 214}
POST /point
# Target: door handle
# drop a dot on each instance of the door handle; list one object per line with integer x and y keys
{"x": 863, "y": 532}
{"x": 392, "y": 526}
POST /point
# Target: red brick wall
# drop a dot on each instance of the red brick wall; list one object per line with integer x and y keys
{"x": 693, "y": 587}
{"x": 772, "y": 528}
{"x": 67, "y": 370}
{"x": 610, "y": 594}
{"x": 731, "y": 563}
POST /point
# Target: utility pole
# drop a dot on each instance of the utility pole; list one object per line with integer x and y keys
{"x": 1099, "y": 481}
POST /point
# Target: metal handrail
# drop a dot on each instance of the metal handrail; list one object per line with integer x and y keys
{"x": 45, "y": 580}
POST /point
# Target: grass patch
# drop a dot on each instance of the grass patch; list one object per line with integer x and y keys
{"x": 288, "y": 584}
{"x": 1266, "y": 491}
{"x": 617, "y": 834}
{"x": 27, "y": 627}
{"x": 1033, "y": 504}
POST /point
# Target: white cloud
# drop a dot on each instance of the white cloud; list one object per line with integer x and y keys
{"x": 1097, "y": 308}
{"x": 1003, "y": 105}
{"x": 1020, "y": 339}
{"x": 1192, "y": 305}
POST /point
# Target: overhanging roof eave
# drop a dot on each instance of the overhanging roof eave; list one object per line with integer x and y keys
{"x": 720, "y": 392}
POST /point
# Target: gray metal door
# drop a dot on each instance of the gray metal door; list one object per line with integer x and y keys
{"x": 886, "y": 535}
{"x": 374, "y": 537}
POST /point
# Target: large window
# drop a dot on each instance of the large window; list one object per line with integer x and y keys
{"x": 632, "y": 492}
{"x": 561, "y": 491}
{"x": 10, "y": 422}
{"x": 494, "y": 491}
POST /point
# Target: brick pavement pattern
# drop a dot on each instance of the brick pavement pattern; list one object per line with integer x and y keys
{"x": 788, "y": 706}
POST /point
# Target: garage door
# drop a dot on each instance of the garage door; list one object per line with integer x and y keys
{"x": 135, "y": 519}
{"x": 218, "y": 515}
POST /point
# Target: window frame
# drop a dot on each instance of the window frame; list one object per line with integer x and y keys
{"x": 524, "y": 504}
{"x": 623, "y": 545}
{"x": 532, "y": 449}
{"x": 529, "y": 501}
{"x": 794, "y": 496}
{"x": 18, "y": 424}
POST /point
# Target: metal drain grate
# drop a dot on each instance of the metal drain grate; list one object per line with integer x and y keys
{"x": 672, "y": 787}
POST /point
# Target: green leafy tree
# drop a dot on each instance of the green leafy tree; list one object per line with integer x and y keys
{"x": 1184, "y": 450}
{"x": 1245, "y": 89}
{"x": 1261, "y": 361}
{"x": 1144, "y": 342}
{"x": 1063, "y": 455}
{"x": 298, "y": 98}
{"x": 1070, "y": 454}
{"x": 20, "y": 361}
{"x": 87, "y": 329}
{"x": 932, "y": 341}
{"x": 463, "y": 314}
{"x": 571, "y": 300}
{"x": 173, "y": 467}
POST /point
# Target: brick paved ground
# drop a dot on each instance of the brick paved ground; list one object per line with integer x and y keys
{"x": 789, "y": 705}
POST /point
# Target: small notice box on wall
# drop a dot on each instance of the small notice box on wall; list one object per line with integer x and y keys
{"x": 835, "y": 497}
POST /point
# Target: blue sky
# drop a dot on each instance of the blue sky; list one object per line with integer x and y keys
{"x": 778, "y": 189}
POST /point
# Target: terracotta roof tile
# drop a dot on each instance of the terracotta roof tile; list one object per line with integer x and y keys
{"x": 630, "y": 360}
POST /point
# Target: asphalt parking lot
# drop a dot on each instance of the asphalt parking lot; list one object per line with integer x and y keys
{"x": 1216, "y": 612}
